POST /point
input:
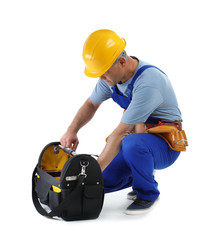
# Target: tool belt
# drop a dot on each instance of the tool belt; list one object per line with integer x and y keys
{"x": 71, "y": 186}
{"x": 171, "y": 132}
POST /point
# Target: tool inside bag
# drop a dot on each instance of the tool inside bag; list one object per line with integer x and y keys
{"x": 70, "y": 184}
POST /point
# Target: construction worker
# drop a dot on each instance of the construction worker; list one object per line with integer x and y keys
{"x": 145, "y": 92}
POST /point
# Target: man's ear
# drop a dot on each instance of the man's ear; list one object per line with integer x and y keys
{"x": 122, "y": 61}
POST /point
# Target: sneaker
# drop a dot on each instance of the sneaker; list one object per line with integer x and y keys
{"x": 132, "y": 195}
{"x": 139, "y": 206}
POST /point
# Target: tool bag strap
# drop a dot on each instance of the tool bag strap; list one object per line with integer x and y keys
{"x": 56, "y": 211}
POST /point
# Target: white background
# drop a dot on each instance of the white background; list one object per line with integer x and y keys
{"x": 43, "y": 85}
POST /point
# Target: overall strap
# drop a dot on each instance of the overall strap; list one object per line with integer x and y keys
{"x": 118, "y": 96}
{"x": 140, "y": 71}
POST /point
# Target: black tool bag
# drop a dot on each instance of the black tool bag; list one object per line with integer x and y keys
{"x": 71, "y": 186}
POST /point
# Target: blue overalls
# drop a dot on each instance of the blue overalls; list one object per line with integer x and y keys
{"x": 139, "y": 155}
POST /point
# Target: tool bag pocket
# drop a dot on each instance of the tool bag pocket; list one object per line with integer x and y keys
{"x": 176, "y": 139}
{"x": 54, "y": 199}
{"x": 72, "y": 187}
{"x": 92, "y": 200}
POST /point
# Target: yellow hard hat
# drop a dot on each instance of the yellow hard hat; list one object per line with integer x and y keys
{"x": 100, "y": 51}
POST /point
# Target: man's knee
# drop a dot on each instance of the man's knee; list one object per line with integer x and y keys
{"x": 134, "y": 142}
{"x": 128, "y": 143}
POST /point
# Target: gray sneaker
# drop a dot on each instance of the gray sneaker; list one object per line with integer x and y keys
{"x": 132, "y": 195}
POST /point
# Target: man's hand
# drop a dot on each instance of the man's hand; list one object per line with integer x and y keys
{"x": 70, "y": 140}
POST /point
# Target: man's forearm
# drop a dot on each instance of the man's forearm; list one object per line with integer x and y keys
{"x": 113, "y": 144}
{"x": 84, "y": 115}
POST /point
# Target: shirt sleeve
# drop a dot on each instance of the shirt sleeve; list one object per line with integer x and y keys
{"x": 144, "y": 101}
{"x": 101, "y": 92}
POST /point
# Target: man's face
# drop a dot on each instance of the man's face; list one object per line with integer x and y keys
{"x": 113, "y": 75}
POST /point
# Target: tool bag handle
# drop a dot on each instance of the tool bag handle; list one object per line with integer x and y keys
{"x": 56, "y": 211}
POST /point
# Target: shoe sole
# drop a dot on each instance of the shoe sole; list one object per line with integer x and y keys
{"x": 142, "y": 211}
{"x": 131, "y": 197}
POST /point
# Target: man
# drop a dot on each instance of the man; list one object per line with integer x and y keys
{"x": 130, "y": 154}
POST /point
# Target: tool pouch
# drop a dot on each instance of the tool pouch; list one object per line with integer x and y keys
{"x": 71, "y": 187}
{"x": 176, "y": 139}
